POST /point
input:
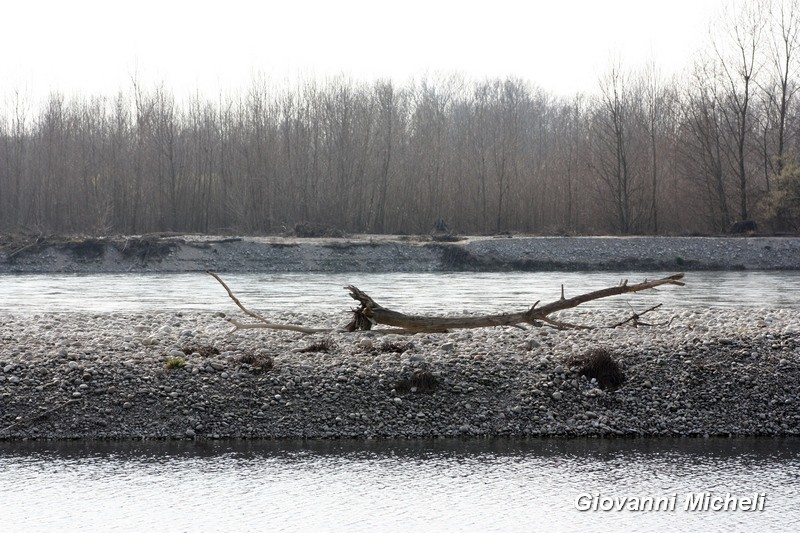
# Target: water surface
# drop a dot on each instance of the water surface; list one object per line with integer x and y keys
{"x": 453, "y": 485}
{"x": 423, "y": 292}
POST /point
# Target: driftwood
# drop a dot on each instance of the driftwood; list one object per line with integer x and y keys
{"x": 370, "y": 313}
{"x": 263, "y": 323}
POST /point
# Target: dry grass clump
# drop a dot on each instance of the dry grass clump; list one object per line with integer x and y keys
{"x": 322, "y": 346}
{"x": 419, "y": 381}
{"x": 600, "y": 365}
{"x": 259, "y": 362}
{"x": 395, "y": 347}
{"x": 204, "y": 351}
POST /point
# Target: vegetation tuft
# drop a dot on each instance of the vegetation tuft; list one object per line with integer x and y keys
{"x": 204, "y": 351}
{"x": 176, "y": 362}
{"x": 600, "y": 365}
{"x": 419, "y": 381}
{"x": 259, "y": 362}
{"x": 781, "y": 205}
{"x": 323, "y": 346}
{"x": 395, "y": 347}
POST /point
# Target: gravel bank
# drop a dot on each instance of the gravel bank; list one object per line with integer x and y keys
{"x": 397, "y": 254}
{"x": 105, "y": 377}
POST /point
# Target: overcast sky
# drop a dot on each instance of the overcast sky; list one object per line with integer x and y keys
{"x": 95, "y": 46}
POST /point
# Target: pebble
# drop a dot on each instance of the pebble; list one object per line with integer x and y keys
{"x": 365, "y": 344}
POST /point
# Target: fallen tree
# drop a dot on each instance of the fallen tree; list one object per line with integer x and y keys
{"x": 369, "y": 313}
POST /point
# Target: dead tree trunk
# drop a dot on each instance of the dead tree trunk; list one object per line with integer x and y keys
{"x": 370, "y": 313}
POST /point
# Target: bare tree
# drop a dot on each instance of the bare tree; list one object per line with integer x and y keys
{"x": 737, "y": 50}
{"x": 781, "y": 85}
{"x": 643, "y": 153}
{"x": 614, "y": 152}
{"x": 654, "y": 109}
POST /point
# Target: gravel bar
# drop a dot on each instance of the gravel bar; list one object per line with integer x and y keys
{"x": 108, "y": 376}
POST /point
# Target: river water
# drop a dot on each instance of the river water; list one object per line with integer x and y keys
{"x": 448, "y": 485}
{"x": 422, "y": 292}
{"x": 442, "y": 485}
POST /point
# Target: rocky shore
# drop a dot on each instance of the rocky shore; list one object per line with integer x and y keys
{"x": 182, "y": 375}
{"x": 381, "y": 253}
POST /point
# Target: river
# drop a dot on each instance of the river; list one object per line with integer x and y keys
{"x": 422, "y": 292}
{"x": 394, "y": 485}
{"x": 442, "y": 485}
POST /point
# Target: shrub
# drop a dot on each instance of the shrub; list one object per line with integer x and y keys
{"x": 421, "y": 381}
{"x": 600, "y": 365}
{"x": 258, "y": 362}
{"x": 395, "y": 347}
{"x": 204, "y": 351}
{"x": 782, "y": 205}
{"x": 324, "y": 346}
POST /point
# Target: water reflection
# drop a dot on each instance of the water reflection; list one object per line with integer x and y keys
{"x": 424, "y": 292}
{"x": 492, "y": 485}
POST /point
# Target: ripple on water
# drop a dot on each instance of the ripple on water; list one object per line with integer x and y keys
{"x": 421, "y": 292}
{"x": 493, "y": 485}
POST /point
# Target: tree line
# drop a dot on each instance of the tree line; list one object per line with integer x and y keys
{"x": 642, "y": 155}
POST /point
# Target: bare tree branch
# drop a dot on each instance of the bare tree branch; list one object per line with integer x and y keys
{"x": 370, "y": 313}
{"x": 264, "y": 323}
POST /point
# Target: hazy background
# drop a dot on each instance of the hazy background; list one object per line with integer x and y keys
{"x": 94, "y": 46}
{"x": 610, "y": 117}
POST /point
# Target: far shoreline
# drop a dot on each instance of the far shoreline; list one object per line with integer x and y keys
{"x": 394, "y": 253}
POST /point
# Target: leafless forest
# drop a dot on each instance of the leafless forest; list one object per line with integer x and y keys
{"x": 641, "y": 155}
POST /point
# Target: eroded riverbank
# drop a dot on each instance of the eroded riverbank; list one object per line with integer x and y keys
{"x": 377, "y": 253}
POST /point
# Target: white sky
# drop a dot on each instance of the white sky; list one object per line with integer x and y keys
{"x": 95, "y": 46}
